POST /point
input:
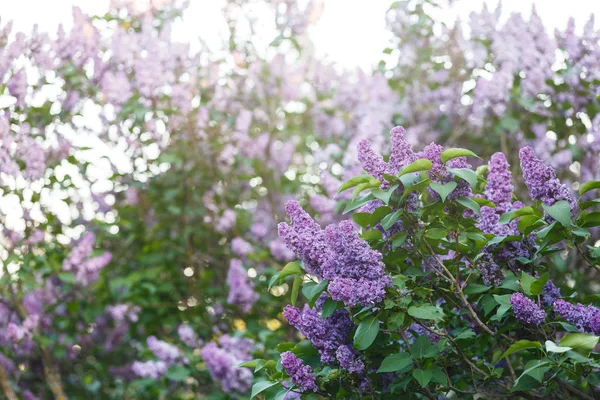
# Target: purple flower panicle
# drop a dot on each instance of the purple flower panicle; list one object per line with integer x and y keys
{"x": 526, "y": 311}
{"x": 301, "y": 375}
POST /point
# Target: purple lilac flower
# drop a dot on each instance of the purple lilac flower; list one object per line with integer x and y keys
{"x": 149, "y": 369}
{"x": 541, "y": 180}
{"x": 223, "y": 367}
{"x": 301, "y": 375}
{"x": 85, "y": 269}
{"x": 305, "y": 237}
{"x": 226, "y": 221}
{"x": 188, "y": 336}
{"x": 356, "y": 271}
{"x": 241, "y": 290}
{"x": 585, "y": 318}
{"x": 491, "y": 273}
{"x": 401, "y": 150}
{"x": 438, "y": 172}
{"x": 240, "y": 247}
{"x": 279, "y": 250}
{"x": 420, "y": 331}
{"x": 164, "y": 351}
{"x": 371, "y": 161}
{"x": 526, "y": 311}
{"x": 348, "y": 360}
{"x": 550, "y": 294}
{"x": 499, "y": 188}
{"x": 326, "y": 335}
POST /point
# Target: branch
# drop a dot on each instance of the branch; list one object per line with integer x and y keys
{"x": 6, "y": 386}
{"x": 460, "y": 292}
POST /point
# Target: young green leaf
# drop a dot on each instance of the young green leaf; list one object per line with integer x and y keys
{"x": 366, "y": 333}
{"x": 260, "y": 387}
{"x": 449, "y": 154}
{"x": 395, "y": 362}
{"x": 423, "y": 376}
{"x": 443, "y": 189}
{"x": 560, "y": 211}
{"x": 422, "y": 164}
{"x": 579, "y": 342}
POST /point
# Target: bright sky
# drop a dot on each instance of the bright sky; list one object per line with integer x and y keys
{"x": 351, "y": 32}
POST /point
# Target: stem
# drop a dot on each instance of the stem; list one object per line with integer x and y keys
{"x": 575, "y": 391}
{"x": 6, "y": 386}
{"x": 460, "y": 293}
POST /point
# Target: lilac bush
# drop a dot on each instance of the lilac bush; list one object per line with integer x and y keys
{"x": 465, "y": 304}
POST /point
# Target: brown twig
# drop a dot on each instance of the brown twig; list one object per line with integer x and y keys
{"x": 462, "y": 296}
{"x": 7, "y": 388}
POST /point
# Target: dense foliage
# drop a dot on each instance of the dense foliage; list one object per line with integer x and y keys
{"x": 143, "y": 181}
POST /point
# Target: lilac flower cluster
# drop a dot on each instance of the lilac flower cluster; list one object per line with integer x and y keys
{"x": 164, "y": 351}
{"x": 85, "y": 268}
{"x": 541, "y": 180}
{"x": 188, "y": 336}
{"x": 149, "y": 369}
{"x": 585, "y": 318}
{"x": 348, "y": 359}
{"x": 325, "y": 334}
{"x": 526, "y": 311}
{"x": 222, "y": 363}
{"x": 439, "y": 173}
{"x": 550, "y": 293}
{"x": 241, "y": 290}
{"x": 355, "y": 271}
{"x": 305, "y": 238}
{"x": 499, "y": 190}
{"x": 301, "y": 375}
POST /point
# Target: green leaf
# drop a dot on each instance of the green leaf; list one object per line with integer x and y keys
{"x": 329, "y": 307}
{"x": 560, "y": 211}
{"x": 521, "y": 345}
{"x": 426, "y": 311}
{"x": 395, "y": 362}
{"x": 587, "y": 186}
{"x": 295, "y": 289}
{"x": 465, "y": 173}
{"x": 475, "y": 288}
{"x": 436, "y": 233}
{"x": 483, "y": 202}
{"x": 532, "y": 286}
{"x": 252, "y": 363}
{"x": 312, "y": 291}
{"x": 178, "y": 373}
{"x": 350, "y": 183}
{"x": 260, "y": 387}
{"x": 292, "y": 268}
{"x": 470, "y": 204}
{"x": 362, "y": 219}
{"x": 423, "y": 376}
{"x": 509, "y": 216}
{"x": 449, "y": 154}
{"x": 422, "y": 164}
{"x": 443, "y": 190}
{"x": 528, "y": 223}
{"x": 587, "y": 204}
{"x": 357, "y": 203}
{"x": 366, "y": 333}
{"x": 274, "y": 279}
{"x": 384, "y": 195}
{"x": 553, "y": 348}
{"x": 521, "y": 382}
{"x": 390, "y": 219}
{"x": 67, "y": 277}
{"x": 504, "y": 301}
{"x": 579, "y": 342}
